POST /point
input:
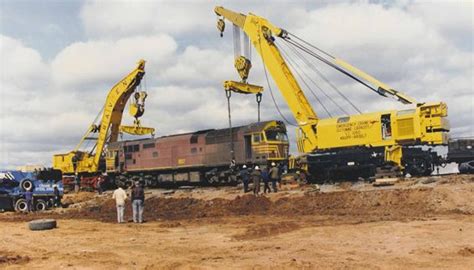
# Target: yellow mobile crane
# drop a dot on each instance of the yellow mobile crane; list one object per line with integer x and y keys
{"x": 92, "y": 162}
{"x": 358, "y": 143}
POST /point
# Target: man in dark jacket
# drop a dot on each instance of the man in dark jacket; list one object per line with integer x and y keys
{"x": 244, "y": 175}
{"x": 57, "y": 196}
{"x": 138, "y": 199}
{"x": 274, "y": 176}
{"x": 256, "y": 177}
{"x": 266, "y": 180}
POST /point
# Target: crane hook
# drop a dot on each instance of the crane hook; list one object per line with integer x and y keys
{"x": 221, "y": 26}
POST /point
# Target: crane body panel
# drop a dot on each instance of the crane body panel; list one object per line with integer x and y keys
{"x": 392, "y": 131}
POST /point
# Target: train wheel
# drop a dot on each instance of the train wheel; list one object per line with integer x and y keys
{"x": 214, "y": 179}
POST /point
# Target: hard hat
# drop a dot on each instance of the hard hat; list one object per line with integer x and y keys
{"x": 257, "y": 168}
{"x": 244, "y": 166}
{"x": 55, "y": 186}
{"x": 273, "y": 164}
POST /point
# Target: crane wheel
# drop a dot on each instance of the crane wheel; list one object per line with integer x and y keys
{"x": 41, "y": 205}
{"x": 21, "y": 205}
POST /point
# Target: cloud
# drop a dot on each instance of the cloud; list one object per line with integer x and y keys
{"x": 96, "y": 61}
{"x": 50, "y": 104}
{"x": 125, "y": 18}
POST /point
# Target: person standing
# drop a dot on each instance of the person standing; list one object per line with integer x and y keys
{"x": 77, "y": 183}
{"x": 57, "y": 196}
{"x": 274, "y": 176}
{"x": 138, "y": 202}
{"x": 99, "y": 184}
{"x": 266, "y": 179}
{"x": 120, "y": 196}
{"x": 244, "y": 175}
{"x": 29, "y": 200}
{"x": 256, "y": 177}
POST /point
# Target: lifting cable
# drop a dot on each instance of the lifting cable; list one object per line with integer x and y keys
{"x": 310, "y": 79}
{"x": 290, "y": 62}
{"x": 321, "y": 75}
{"x": 228, "y": 94}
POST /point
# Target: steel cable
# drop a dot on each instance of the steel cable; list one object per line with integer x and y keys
{"x": 321, "y": 75}
{"x": 291, "y": 62}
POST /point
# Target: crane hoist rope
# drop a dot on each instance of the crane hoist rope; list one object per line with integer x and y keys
{"x": 324, "y": 78}
{"x": 294, "y": 66}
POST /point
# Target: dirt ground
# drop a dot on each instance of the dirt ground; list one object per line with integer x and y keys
{"x": 419, "y": 223}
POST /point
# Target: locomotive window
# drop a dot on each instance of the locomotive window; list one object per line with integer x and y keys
{"x": 155, "y": 154}
{"x": 273, "y": 135}
{"x": 136, "y": 148}
{"x": 193, "y": 150}
{"x": 194, "y": 138}
{"x": 257, "y": 137}
{"x": 148, "y": 145}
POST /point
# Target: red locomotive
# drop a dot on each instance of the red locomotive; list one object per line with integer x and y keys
{"x": 199, "y": 157}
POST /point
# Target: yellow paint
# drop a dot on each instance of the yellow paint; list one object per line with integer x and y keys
{"x": 108, "y": 129}
{"x": 424, "y": 124}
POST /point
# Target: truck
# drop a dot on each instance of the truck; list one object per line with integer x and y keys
{"x": 14, "y": 184}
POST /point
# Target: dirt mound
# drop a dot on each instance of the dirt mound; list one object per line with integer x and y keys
{"x": 373, "y": 205}
{"x": 7, "y": 258}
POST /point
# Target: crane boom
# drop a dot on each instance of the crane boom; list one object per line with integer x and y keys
{"x": 260, "y": 32}
{"x": 333, "y": 140}
{"x": 109, "y": 127}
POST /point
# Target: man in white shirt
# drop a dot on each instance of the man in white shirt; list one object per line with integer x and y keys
{"x": 120, "y": 196}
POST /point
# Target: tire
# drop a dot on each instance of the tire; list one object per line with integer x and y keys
{"x": 26, "y": 184}
{"x": 41, "y": 205}
{"x": 21, "y": 205}
{"x": 42, "y": 224}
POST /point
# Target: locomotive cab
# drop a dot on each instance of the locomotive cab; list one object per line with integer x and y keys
{"x": 265, "y": 143}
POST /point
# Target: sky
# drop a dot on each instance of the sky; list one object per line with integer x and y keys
{"x": 58, "y": 60}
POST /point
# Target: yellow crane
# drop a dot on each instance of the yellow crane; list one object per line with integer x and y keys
{"x": 360, "y": 142}
{"x": 109, "y": 126}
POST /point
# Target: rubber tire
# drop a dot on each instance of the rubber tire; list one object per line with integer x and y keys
{"x": 41, "y": 203}
{"x": 18, "y": 203}
{"x": 42, "y": 224}
{"x": 25, "y": 183}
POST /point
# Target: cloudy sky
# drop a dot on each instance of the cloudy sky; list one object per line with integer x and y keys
{"x": 60, "y": 58}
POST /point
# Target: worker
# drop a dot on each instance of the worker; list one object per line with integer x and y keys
{"x": 29, "y": 200}
{"x": 120, "y": 196}
{"x": 99, "y": 184}
{"x": 138, "y": 202}
{"x": 77, "y": 183}
{"x": 256, "y": 177}
{"x": 266, "y": 180}
{"x": 274, "y": 176}
{"x": 57, "y": 196}
{"x": 244, "y": 175}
